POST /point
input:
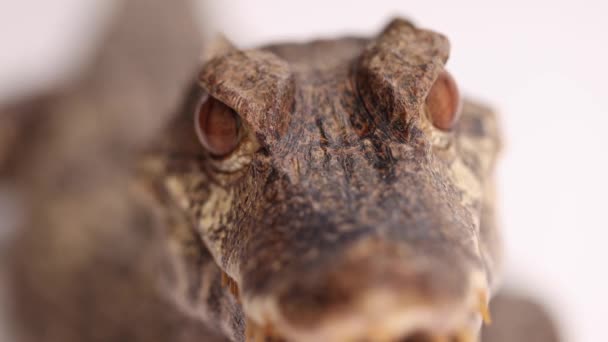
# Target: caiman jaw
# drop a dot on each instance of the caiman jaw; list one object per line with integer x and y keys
{"x": 457, "y": 323}
{"x": 426, "y": 302}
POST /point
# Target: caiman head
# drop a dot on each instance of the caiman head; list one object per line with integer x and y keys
{"x": 343, "y": 187}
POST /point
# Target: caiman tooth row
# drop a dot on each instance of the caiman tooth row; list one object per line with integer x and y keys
{"x": 483, "y": 309}
{"x": 464, "y": 335}
{"x": 232, "y": 286}
{"x": 257, "y": 333}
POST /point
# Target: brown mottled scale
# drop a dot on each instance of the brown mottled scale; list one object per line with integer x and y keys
{"x": 337, "y": 190}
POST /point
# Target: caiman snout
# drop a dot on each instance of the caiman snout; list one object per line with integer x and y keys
{"x": 382, "y": 291}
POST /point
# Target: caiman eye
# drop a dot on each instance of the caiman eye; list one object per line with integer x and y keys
{"x": 217, "y": 127}
{"x": 443, "y": 102}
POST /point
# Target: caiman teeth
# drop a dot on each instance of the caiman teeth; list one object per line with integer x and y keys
{"x": 462, "y": 335}
{"x": 266, "y": 333}
{"x": 377, "y": 315}
{"x": 231, "y": 285}
{"x": 465, "y": 335}
{"x": 257, "y": 333}
{"x": 482, "y": 307}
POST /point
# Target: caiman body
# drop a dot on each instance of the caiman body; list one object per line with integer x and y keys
{"x": 324, "y": 197}
{"x": 343, "y": 213}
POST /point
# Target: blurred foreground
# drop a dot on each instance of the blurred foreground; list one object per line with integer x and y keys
{"x": 86, "y": 250}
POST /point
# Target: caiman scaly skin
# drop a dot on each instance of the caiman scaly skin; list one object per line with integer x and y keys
{"x": 343, "y": 214}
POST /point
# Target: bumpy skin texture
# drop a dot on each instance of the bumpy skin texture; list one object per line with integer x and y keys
{"x": 342, "y": 201}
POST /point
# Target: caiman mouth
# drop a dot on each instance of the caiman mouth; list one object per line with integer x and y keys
{"x": 377, "y": 298}
{"x": 380, "y": 318}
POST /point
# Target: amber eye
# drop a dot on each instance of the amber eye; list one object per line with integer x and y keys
{"x": 217, "y": 127}
{"x": 443, "y": 102}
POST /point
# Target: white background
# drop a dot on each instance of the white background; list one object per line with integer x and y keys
{"x": 542, "y": 64}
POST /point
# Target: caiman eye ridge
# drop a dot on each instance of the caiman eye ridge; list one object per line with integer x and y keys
{"x": 443, "y": 102}
{"x": 217, "y": 127}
